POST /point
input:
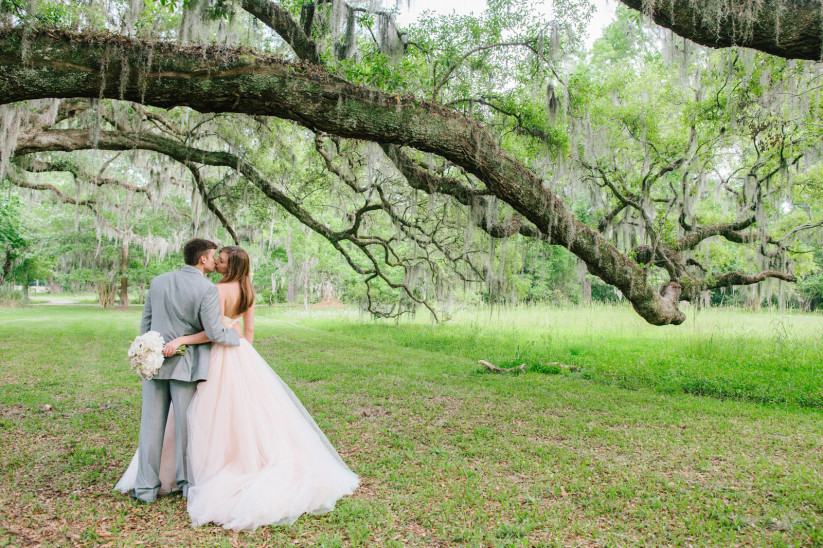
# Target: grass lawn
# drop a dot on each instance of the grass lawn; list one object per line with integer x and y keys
{"x": 63, "y": 299}
{"x": 709, "y": 433}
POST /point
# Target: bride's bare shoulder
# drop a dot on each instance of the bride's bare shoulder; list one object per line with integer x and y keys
{"x": 227, "y": 288}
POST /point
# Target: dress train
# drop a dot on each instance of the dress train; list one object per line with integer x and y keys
{"x": 256, "y": 457}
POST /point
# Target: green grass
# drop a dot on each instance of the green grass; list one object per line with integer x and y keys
{"x": 757, "y": 357}
{"x": 67, "y": 298}
{"x": 621, "y": 452}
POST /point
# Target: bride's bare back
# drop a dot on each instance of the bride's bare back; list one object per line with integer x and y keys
{"x": 229, "y": 294}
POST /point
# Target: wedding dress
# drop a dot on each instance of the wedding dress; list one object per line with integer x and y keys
{"x": 256, "y": 456}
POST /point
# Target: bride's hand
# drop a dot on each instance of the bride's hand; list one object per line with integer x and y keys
{"x": 170, "y": 348}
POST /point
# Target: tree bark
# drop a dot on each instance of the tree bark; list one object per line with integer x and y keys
{"x": 424, "y": 180}
{"x": 124, "y": 275}
{"x": 8, "y": 263}
{"x": 306, "y": 285}
{"x": 280, "y": 20}
{"x": 290, "y": 268}
{"x": 790, "y": 29}
{"x": 54, "y": 287}
{"x": 106, "y": 290}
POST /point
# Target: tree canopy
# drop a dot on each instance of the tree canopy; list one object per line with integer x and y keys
{"x": 435, "y": 155}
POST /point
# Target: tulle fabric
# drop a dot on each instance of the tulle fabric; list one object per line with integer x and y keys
{"x": 256, "y": 457}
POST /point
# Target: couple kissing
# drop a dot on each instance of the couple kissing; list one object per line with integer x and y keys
{"x": 218, "y": 425}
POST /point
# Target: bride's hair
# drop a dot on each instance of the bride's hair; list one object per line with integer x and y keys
{"x": 237, "y": 270}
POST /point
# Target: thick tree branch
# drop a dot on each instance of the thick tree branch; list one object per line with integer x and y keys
{"x": 730, "y": 231}
{"x": 424, "y": 180}
{"x": 63, "y": 197}
{"x": 787, "y": 29}
{"x": 692, "y": 291}
{"x": 278, "y": 18}
{"x": 77, "y": 172}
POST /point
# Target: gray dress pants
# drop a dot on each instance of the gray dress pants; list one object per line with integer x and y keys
{"x": 157, "y": 395}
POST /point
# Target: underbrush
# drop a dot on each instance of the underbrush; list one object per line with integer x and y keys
{"x": 12, "y": 298}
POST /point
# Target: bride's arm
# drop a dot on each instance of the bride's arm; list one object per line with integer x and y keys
{"x": 198, "y": 338}
{"x": 171, "y": 347}
{"x": 248, "y": 325}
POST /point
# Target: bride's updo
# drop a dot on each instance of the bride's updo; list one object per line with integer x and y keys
{"x": 237, "y": 270}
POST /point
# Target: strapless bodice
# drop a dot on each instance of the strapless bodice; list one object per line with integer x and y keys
{"x": 229, "y": 322}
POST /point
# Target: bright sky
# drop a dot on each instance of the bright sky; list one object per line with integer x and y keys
{"x": 603, "y": 16}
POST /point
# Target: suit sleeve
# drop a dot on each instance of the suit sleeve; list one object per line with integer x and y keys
{"x": 210, "y": 318}
{"x": 145, "y": 322}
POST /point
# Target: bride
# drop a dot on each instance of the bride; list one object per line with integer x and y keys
{"x": 256, "y": 457}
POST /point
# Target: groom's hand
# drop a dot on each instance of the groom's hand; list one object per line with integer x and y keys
{"x": 236, "y": 327}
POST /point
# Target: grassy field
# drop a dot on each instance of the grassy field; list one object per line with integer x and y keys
{"x": 709, "y": 433}
{"x": 65, "y": 298}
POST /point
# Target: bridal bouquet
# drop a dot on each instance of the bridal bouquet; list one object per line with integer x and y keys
{"x": 146, "y": 354}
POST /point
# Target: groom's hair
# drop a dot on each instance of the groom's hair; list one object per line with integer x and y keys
{"x": 195, "y": 248}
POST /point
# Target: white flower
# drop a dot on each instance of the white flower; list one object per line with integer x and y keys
{"x": 146, "y": 354}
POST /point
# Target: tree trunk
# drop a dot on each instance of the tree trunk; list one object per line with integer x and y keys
{"x": 124, "y": 275}
{"x": 306, "y": 286}
{"x": 587, "y": 290}
{"x": 8, "y": 263}
{"x": 54, "y": 287}
{"x": 290, "y": 267}
{"x": 106, "y": 290}
{"x": 274, "y": 289}
{"x": 754, "y": 299}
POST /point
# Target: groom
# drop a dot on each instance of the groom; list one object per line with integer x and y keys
{"x": 178, "y": 303}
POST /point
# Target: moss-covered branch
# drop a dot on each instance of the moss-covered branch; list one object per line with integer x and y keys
{"x": 790, "y": 29}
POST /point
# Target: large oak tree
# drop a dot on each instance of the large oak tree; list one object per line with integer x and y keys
{"x": 43, "y": 63}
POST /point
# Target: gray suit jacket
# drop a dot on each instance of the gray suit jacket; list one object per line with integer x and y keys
{"x": 184, "y": 303}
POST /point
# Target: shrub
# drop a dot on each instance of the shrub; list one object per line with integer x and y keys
{"x": 12, "y": 297}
